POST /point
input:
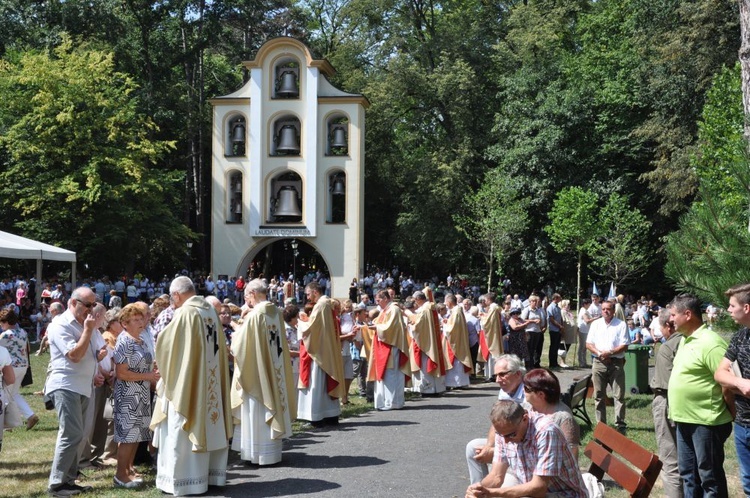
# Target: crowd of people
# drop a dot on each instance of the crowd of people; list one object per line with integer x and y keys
{"x": 185, "y": 376}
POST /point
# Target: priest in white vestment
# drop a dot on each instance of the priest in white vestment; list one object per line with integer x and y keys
{"x": 321, "y": 370}
{"x": 428, "y": 361}
{"x": 192, "y": 420}
{"x": 491, "y": 335}
{"x": 389, "y": 365}
{"x": 263, "y": 393}
{"x": 456, "y": 342}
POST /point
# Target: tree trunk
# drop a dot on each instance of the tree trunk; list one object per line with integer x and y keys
{"x": 745, "y": 65}
{"x": 204, "y": 211}
{"x": 745, "y": 61}
{"x": 489, "y": 275}
{"x": 578, "y": 282}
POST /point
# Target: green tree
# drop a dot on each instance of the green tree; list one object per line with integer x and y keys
{"x": 721, "y": 148}
{"x": 710, "y": 251}
{"x": 493, "y": 218}
{"x": 621, "y": 253}
{"x": 573, "y": 225}
{"x": 425, "y": 68}
{"x": 78, "y": 161}
{"x": 544, "y": 123}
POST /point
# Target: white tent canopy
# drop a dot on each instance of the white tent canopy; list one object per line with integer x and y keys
{"x": 16, "y": 247}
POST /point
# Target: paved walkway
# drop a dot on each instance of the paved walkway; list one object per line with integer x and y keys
{"x": 415, "y": 452}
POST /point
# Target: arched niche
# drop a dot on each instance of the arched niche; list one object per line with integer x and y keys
{"x": 337, "y": 134}
{"x": 285, "y": 136}
{"x": 274, "y": 257}
{"x": 234, "y": 191}
{"x": 284, "y": 198}
{"x": 235, "y": 136}
{"x": 286, "y": 78}
{"x": 336, "y": 198}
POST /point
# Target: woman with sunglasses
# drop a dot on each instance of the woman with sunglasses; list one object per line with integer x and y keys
{"x": 542, "y": 390}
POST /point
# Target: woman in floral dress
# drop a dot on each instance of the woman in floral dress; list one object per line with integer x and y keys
{"x": 15, "y": 340}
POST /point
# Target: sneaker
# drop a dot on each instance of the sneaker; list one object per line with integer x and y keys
{"x": 63, "y": 490}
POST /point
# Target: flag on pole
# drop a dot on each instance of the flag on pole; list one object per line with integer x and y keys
{"x": 612, "y": 294}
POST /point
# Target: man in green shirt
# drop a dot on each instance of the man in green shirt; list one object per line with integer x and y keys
{"x": 696, "y": 403}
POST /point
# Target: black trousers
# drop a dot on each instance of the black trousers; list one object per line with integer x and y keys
{"x": 554, "y": 345}
{"x": 474, "y": 351}
{"x": 536, "y": 343}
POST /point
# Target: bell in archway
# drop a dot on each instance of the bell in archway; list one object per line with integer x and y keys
{"x": 338, "y": 137}
{"x": 286, "y": 84}
{"x": 338, "y": 186}
{"x": 238, "y": 135}
{"x": 286, "y": 202}
{"x": 286, "y": 140}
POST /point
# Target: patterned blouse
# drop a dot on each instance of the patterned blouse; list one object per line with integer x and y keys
{"x": 14, "y": 340}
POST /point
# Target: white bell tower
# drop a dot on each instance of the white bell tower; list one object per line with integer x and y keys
{"x": 288, "y": 163}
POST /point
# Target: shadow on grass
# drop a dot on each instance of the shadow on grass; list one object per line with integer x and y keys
{"x": 355, "y": 410}
{"x": 641, "y": 401}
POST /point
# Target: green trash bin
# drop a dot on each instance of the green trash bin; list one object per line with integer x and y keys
{"x": 636, "y": 368}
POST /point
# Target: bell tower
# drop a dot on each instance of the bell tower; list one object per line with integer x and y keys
{"x": 288, "y": 163}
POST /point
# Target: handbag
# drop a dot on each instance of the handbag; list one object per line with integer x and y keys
{"x": 109, "y": 404}
{"x": 28, "y": 378}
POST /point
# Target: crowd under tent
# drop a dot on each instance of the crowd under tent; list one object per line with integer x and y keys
{"x": 17, "y": 247}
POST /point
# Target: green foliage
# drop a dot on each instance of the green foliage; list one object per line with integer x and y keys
{"x": 493, "y": 218}
{"x": 573, "y": 221}
{"x": 621, "y": 253}
{"x": 78, "y": 160}
{"x": 424, "y": 72}
{"x": 722, "y": 146}
{"x": 683, "y": 43}
{"x": 710, "y": 251}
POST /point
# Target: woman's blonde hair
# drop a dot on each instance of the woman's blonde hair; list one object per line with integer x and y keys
{"x": 129, "y": 311}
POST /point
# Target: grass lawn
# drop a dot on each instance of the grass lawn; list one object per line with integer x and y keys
{"x": 26, "y": 455}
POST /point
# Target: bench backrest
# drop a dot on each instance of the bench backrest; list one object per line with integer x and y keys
{"x": 578, "y": 390}
{"x": 575, "y": 398}
{"x": 608, "y": 452}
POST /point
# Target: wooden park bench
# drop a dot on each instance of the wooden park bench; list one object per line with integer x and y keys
{"x": 629, "y": 464}
{"x": 576, "y": 396}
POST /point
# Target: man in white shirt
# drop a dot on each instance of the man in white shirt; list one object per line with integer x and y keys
{"x": 70, "y": 381}
{"x": 595, "y": 308}
{"x": 607, "y": 341}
